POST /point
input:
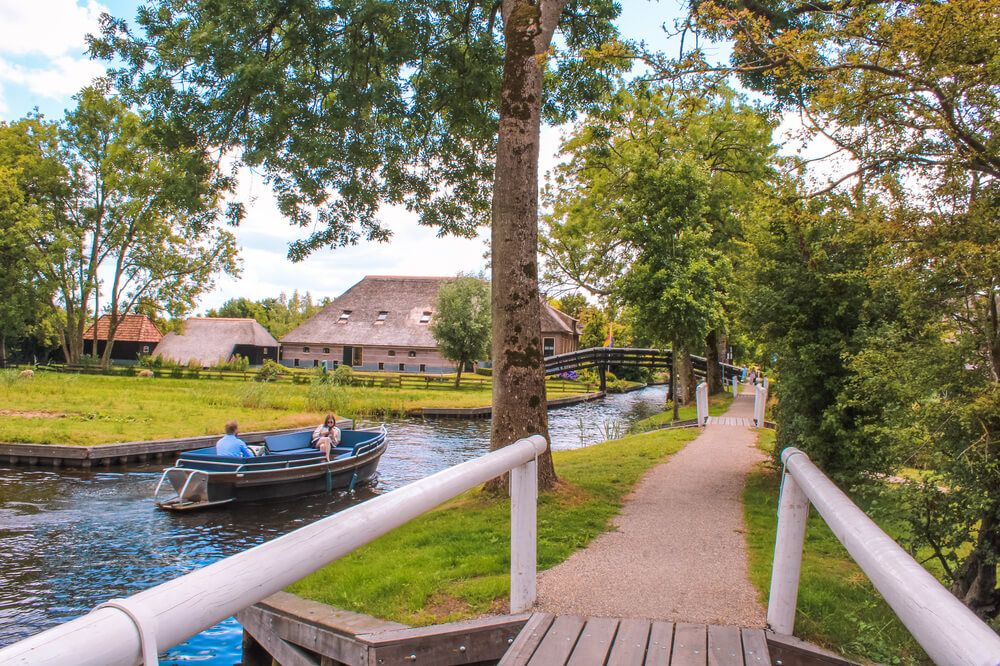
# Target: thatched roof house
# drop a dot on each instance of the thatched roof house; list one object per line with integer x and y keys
{"x": 383, "y": 323}
{"x": 136, "y": 334}
{"x": 211, "y": 340}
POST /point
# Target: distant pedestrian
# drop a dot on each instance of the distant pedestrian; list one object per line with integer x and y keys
{"x": 231, "y": 445}
{"x": 752, "y": 377}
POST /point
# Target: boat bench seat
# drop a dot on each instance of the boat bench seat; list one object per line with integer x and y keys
{"x": 291, "y": 442}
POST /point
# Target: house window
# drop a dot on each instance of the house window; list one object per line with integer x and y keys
{"x": 326, "y": 350}
{"x": 305, "y": 350}
{"x": 423, "y": 367}
{"x": 412, "y": 354}
{"x": 426, "y": 318}
{"x": 344, "y": 316}
{"x": 381, "y": 316}
{"x": 315, "y": 362}
{"x": 392, "y": 352}
{"x": 145, "y": 349}
{"x": 548, "y": 346}
{"x": 402, "y": 367}
{"x": 381, "y": 365}
{"x": 296, "y": 363}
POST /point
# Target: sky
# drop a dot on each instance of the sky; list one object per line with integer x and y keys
{"x": 43, "y": 63}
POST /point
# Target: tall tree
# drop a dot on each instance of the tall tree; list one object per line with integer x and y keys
{"x": 462, "y": 324}
{"x": 432, "y": 104}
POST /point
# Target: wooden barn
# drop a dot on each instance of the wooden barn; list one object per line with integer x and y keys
{"x": 382, "y": 323}
{"x": 135, "y": 336}
{"x": 214, "y": 340}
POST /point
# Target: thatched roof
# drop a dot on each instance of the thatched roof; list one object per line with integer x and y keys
{"x": 131, "y": 328}
{"x": 383, "y": 311}
{"x": 211, "y": 339}
{"x": 391, "y": 311}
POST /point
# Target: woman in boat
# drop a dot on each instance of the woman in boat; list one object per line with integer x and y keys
{"x": 327, "y": 435}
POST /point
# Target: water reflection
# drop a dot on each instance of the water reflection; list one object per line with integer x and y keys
{"x": 71, "y": 540}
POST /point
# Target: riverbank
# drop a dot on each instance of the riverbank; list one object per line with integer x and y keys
{"x": 90, "y": 410}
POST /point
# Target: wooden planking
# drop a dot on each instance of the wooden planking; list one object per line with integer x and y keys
{"x": 527, "y": 641}
{"x": 595, "y": 642}
{"x": 559, "y": 641}
{"x": 630, "y": 643}
{"x": 690, "y": 645}
{"x": 724, "y": 646}
{"x": 661, "y": 640}
{"x": 755, "y": 652}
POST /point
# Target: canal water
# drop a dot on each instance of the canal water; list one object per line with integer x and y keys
{"x": 70, "y": 540}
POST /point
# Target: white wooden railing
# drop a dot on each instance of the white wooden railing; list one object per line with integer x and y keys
{"x": 759, "y": 405}
{"x": 701, "y": 403}
{"x": 944, "y": 626}
{"x": 136, "y": 629}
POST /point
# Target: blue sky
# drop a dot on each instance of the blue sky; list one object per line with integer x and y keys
{"x": 43, "y": 62}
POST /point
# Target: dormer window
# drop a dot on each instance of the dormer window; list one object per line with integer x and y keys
{"x": 381, "y": 317}
{"x": 344, "y": 316}
{"x": 426, "y": 318}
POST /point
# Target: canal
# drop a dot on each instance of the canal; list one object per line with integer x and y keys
{"x": 70, "y": 540}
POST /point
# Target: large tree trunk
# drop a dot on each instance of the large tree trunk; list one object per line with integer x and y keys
{"x": 519, "y": 406}
{"x": 712, "y": 356}
{"x": 976, "y": 581}
{"x": 687, "y": 380}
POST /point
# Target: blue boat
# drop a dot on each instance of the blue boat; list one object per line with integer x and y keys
{"x": 287, "y": 466}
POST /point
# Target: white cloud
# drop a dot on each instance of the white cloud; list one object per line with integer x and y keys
{"x": 50, "y": 28}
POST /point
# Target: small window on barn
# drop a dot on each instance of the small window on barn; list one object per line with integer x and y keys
{"x": 423, "y": 367}
{"x": 412, "y": 354}
{"x": 392, "y": 352}
{"x": 381, "y": 365}
{"x": 402, "y": 367}
{"x": 145, "y": 349}
{"x": 344, "y": 316}
{"x": 305, "y": 350}
{"x": 548, "y": 346}
{"x": 381, "y": 316}
{"x": 296, "y": 363}
{"x": 426, "y": 318}
{"x": 326, "y": 350}
{"x": 315, "y": 362}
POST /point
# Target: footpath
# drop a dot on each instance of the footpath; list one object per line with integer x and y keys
{"x": 677, "y": 550}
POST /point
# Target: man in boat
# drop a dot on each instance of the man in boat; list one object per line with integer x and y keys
{"x": 231, "y": 445}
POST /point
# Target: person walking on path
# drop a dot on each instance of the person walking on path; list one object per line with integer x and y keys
{"x": 677, "y": 550}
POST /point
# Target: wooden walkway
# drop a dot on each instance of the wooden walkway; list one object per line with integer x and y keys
{"x": 741, "y": 421}
{"x": 548, "y": 640}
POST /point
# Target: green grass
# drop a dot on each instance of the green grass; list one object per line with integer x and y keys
{"x": 837, "y": 606}
{"x": 54, "y": 408}
{"x": 454, "y": 562}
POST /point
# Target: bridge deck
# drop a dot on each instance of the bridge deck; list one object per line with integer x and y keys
{"x": 741, "y": 421}
{"x": 569, "y": 640}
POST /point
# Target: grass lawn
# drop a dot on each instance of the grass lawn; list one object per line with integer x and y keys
{"x": 837, "y": 607}
{"x": 454, "y": 562}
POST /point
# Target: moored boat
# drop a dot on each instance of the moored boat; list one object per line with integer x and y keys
{"x": 287, "y": 466}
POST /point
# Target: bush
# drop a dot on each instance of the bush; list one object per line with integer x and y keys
{"x": 270, "y": 371}
{"x": 485, "y": 372}
{"x": 89, "y": 361}
{"x": 343, "y": 376}
{"x": 321, "y": 375}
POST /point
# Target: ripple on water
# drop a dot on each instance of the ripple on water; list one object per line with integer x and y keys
{"x": 73, "y": 539}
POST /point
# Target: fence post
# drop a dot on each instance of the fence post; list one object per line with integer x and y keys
{"x": 793, "y": 509}
{"x": 701, "y": 403}
{"x": 736, "y": 386}
{"x": 523, "y": 535}
{"x": 759, "y": 403}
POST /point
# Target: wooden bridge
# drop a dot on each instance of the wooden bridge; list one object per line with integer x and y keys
{"x": 604, "y": 358}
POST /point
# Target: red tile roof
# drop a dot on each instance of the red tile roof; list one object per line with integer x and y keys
{"x": 132, "y": 328}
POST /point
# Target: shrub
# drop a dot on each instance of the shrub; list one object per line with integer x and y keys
{"x": 270, "y": 371}
{"x": 485, "y": 372}
{"x": 343, "y": 376}
{"x": 321, "y": 375}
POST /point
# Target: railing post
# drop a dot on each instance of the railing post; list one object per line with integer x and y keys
{"x": 736, "y": 386}
{"x": 701, "y": 403}
{"x": 759, "y": 404}
{"x": 523, "y": 535}
{"x": 793, "y": 509}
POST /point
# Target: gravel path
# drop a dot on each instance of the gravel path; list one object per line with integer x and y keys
{"x": 677, "y": 551}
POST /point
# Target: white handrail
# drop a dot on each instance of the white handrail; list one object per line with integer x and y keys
{"x": 759, "y": 405}
{"x": 943, "y": 625}
{"x": 180, "y": 608}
